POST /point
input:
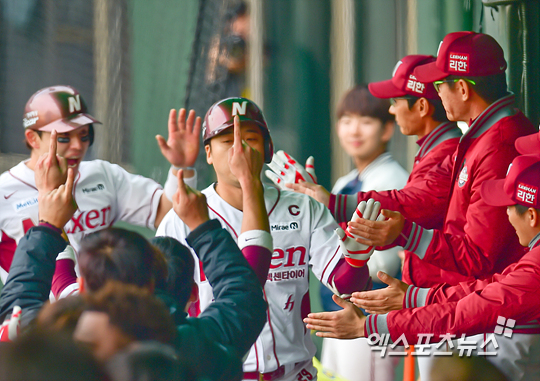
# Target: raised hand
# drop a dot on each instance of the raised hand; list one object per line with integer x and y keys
{"x": 347, "y": 323}
{"x": 383, "y": 300}
{"x": 285, "y": 170}
{"x": 189, "y": 204}
{"x": 51, "y": 169}
{"x": 182, "y": 147}
{"x": 57, "y": 206}
{"x": 355, "y": 253}
{"x": 245, "y": 162}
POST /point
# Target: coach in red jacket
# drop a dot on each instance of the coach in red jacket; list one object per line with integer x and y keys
{"x": 476, "y": 239}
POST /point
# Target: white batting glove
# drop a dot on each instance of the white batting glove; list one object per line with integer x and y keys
{"x": 286, "y": 170}
{"x": 355, "y": 253}
{"x": 11, "y": 327}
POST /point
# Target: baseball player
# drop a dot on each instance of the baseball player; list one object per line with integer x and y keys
{"x": 56, "y": 119}
{"x": 303, "y": 236}
{"x": 507, "y": 299}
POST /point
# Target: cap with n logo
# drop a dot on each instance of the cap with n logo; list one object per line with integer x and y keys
{"x": 220, "y": 117}
{"x": 59, "y": 108}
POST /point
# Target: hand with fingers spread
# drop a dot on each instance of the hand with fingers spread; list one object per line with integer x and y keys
{"x": 318, "y": 192}
{"x": 285, "y": 169}
{"x": 51, "y": 169}
{"x": 347, "y": 323}
{"x": 383, "y": 300}
{"x": 355, "y": 253}
{"x": 57, "y": 206}
{"x": 245, "y": 162}
{"x": 378, "y": 233}
{"x": 189, "y": 204}
{"x": 182, "y": 147}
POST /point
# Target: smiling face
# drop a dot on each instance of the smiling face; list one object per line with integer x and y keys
{"x": 72, "y": 145}
{"x": 364, "y": 138}
{"x": 217, "y": 151}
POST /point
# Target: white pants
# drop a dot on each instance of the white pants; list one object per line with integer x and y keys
{"x": 355, "y": 361}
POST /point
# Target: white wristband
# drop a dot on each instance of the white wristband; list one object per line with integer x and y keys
{"x": 171, "y": 185}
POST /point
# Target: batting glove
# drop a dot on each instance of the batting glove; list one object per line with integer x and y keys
{"x": 355, "y": 253}
{"x": 11, "y": 327}
{"x": 286, "y": 170}
{"x": 332, "y": 287}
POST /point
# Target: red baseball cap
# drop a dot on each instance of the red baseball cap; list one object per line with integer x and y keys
{"x": 467, "y": 54}
{"x": 528, "y": 145}
{"x": 521, "y": 185}
{"x": 59, "y": 108}
{"x": 403, "y": 81}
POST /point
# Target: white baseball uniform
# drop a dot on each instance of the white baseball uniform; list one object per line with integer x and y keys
{"x": 303, "y": 235}
{"x": 104, "y": 192}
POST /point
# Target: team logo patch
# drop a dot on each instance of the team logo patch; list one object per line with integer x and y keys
{"x": 414, "y": 85}
{"x": 98, "y": 187}
{"x": 30, "y": 119}
{"x": 25, "y": 204}
{"x": 463, "y": 177}
{"x": 527, "y": 193}
{"x": 459, "y": 62}
{"x": 285, "y": 226}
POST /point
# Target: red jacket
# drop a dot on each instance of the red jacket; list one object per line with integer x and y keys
{"x": 433, "y": 149}
{"x": 476, "y": 240}
{"x": 470, "y": 307}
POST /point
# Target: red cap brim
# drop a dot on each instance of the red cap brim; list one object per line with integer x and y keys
{"x": 528, "y": 145}
{"x": 66, "y": 125}
{"x": 492, "y": 193}
{"x": 385, "y": 89}
{"x": 429, "y": 73}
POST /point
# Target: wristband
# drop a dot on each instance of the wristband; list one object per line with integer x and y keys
{"x": 171, "y": 185}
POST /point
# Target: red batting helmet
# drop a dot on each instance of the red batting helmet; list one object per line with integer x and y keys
{"x": 59, "y": 108}
{"x": 221, "y": 117}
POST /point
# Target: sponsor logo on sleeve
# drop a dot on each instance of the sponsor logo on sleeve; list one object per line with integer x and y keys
{"x": 98, "y": 187}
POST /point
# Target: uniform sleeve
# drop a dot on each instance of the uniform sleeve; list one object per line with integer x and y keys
{"x": 137, "y": 197}
{"x": 514, "y": 296}
{"x": 257, "y": 247}
{"x": 409, "y": 201}
{"x": 487, "y": 229}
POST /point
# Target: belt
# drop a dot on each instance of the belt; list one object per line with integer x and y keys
{"x": 279, "y": 372}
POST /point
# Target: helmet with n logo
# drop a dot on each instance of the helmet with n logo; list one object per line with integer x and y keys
{"x": 221, "y": 117}
{"x": 59, "y": 108}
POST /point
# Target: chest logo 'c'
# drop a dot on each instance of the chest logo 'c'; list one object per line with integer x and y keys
{"x": 294, "y": 210}
{"x": 463, "y": 177}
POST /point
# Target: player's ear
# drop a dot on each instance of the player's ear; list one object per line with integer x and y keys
{"x": 533, "y": 217}
{"x": 32, "y": 138}
{"x": 388, "y": 131}
{"x": 424, "y": 107}
{"x": 208, "y": 153}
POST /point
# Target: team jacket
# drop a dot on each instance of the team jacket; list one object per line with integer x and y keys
{"x": 213, "y": 343}
{"x": 104, "y": 192}
{"x": 476, "y": 240}
{"x": 433, "y": 149}
{"x": 470, "y": 307}
{"x": 303, "y": 235}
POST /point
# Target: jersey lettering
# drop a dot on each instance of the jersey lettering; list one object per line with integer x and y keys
{"x": 89, "y": 220}
{"x": 239, "y": 110}
{"x": 74, "y": 103}
{"x": 279, "y": 255}
{"x": 294, "y": 210}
